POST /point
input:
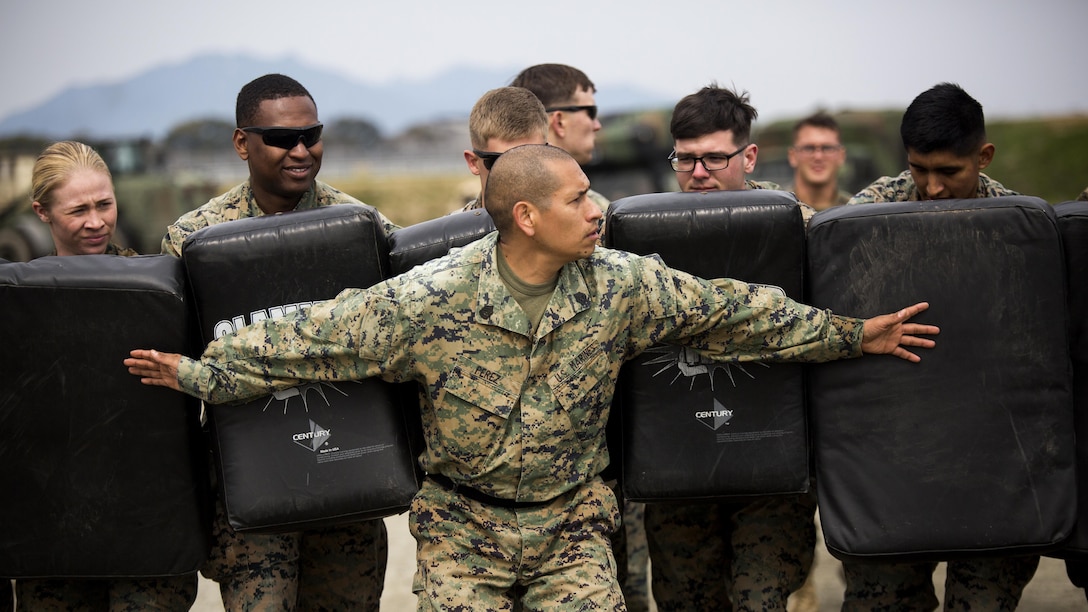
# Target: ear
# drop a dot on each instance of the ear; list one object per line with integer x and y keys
{"x": 471, "y": 159}
{"x": 555, "y": 124}
{"x": 750, "y": 155}
{"x": 986, "y": 155}
{"x": 241, "y": 143}
{"x": 792, "y": 155}
{"x": 525, "y": 217}
{"x": 41, "y": 211}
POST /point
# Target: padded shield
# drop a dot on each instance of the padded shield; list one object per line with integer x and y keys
{"x": 1073, "y": 224}
{"x": 320, "y": 453}
{"x": 970, "y": 451}
{"x": 104, "y": 477}
{"x": 422, "y": 242}
{"x": 692, "y": 429}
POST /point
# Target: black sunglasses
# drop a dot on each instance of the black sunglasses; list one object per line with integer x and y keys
{"x": 590, "y": 109}
{"x": 288, "y": 138}
{"x": 487, "y": 157}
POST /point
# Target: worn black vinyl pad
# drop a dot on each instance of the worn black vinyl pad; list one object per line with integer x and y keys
{"x": 695, "y": 430}
{"x": 971, "y": 450}
{"x": 422, "y": 242}
{"x": 1073, "y": 224}
{"x": 102, "y": 476}
{"x": 321, "y": 453}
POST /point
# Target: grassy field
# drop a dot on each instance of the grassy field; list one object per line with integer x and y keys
{"x": 409, "y": 199}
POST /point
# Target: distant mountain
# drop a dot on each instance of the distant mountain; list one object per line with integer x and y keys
{"x": 151, "y": 103}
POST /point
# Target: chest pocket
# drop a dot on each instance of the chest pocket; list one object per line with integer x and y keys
{"x": 472, "y": 412}
{"x": 584, "y": 386}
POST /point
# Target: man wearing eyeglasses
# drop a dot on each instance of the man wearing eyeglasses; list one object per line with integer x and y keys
{"x": 567, "y": 95}
{"x": 816, "y": 156}
{"x": 500, "y": 120}
{"x": 279, "y": 137}
{"x": 707, "y": 556}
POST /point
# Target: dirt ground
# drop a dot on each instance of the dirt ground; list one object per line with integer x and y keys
{"x": 1049, "y": 591}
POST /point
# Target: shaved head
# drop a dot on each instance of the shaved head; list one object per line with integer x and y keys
{"x": 525, "y": 173}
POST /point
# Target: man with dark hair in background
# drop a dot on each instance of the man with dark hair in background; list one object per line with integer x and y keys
{"x": 568, "y": 97}
{"x": 751, "y": 554}
{"x": 944, "y": 134}
{"x": 816, "y": 156}
{"x": 278, "y": 134}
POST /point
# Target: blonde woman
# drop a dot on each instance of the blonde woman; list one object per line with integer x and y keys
{"x": 73, "y": 192}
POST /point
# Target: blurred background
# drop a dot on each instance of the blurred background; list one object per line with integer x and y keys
{"x": 152, "y": 87}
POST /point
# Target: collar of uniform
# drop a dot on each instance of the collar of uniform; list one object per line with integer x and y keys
{"x": 308, "y": 200}
{"x": 496, "y": 306}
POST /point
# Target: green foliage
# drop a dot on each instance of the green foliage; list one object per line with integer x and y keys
{"x": 1047, "y": 158}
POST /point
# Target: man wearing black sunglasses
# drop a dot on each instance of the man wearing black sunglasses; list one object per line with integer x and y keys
{"x": 279, "y": 137}
{"x": 336, "y": 568}
{"x": 567, "y": 96}
{"x": 500, "y": 120}
{"x": 752, "y": 554}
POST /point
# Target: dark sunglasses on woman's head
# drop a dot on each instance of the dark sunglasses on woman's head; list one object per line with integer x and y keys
{"x": 288, "y": 138}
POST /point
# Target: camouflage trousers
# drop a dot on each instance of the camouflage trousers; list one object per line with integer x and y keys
{"x": 635, "y": 582}
{"x": 472, "y": 556}
{"x": 332, "y": 568}
{"x": 986, "y": 583}
{"x": 742, "y": 556}
{"x": 174, "y": 594}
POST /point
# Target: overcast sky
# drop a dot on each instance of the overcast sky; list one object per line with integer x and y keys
{"x": 1018, "y": 58}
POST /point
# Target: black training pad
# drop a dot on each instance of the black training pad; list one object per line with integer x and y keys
{"x": 693, "y": 430}
{"x": 432, "y": 239}
{"x": 971, "y": 450}
{"x": 1073, "y": 224}
{"x": 103, "y": 476}
{"x": 320, "y": 453}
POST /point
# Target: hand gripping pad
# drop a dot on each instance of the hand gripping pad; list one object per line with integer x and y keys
{"x": 103, "y": 476}
{"x": 693, "y": 430}
{"x": 971, "y": 450}
{"x": 321, "y": 453}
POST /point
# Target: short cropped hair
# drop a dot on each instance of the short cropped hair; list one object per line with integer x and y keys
{"x": 553, "y": 83}
{"x": 56, "y": 163}
{"x": 713, "y": 109}
{"x": 506, "y": 113}
{"x": 819, "y": 119}
{"x": 525, "y": 173}
{"x": 267, "y": 87}
{"x": 944, "y": 118}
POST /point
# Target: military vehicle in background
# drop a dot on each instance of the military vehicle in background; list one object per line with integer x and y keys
{"x": 149, "y": 199}
{"x": 632, "y": 150}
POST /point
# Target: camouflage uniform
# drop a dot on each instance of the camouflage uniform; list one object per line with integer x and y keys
{"x": 335, "y": 568}
{"x": 749, "y": 555}
{"x": 116, "y": 595}
{"x": 240, "y": 203}
{"x": 902, "y": 189}
{"x": 1083, "y": 195}
{"x": 842, "y": 197}
{"x": 980, "y": 583}
{"x": 511, "y": 415}
{"x": 629, "y": 543}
